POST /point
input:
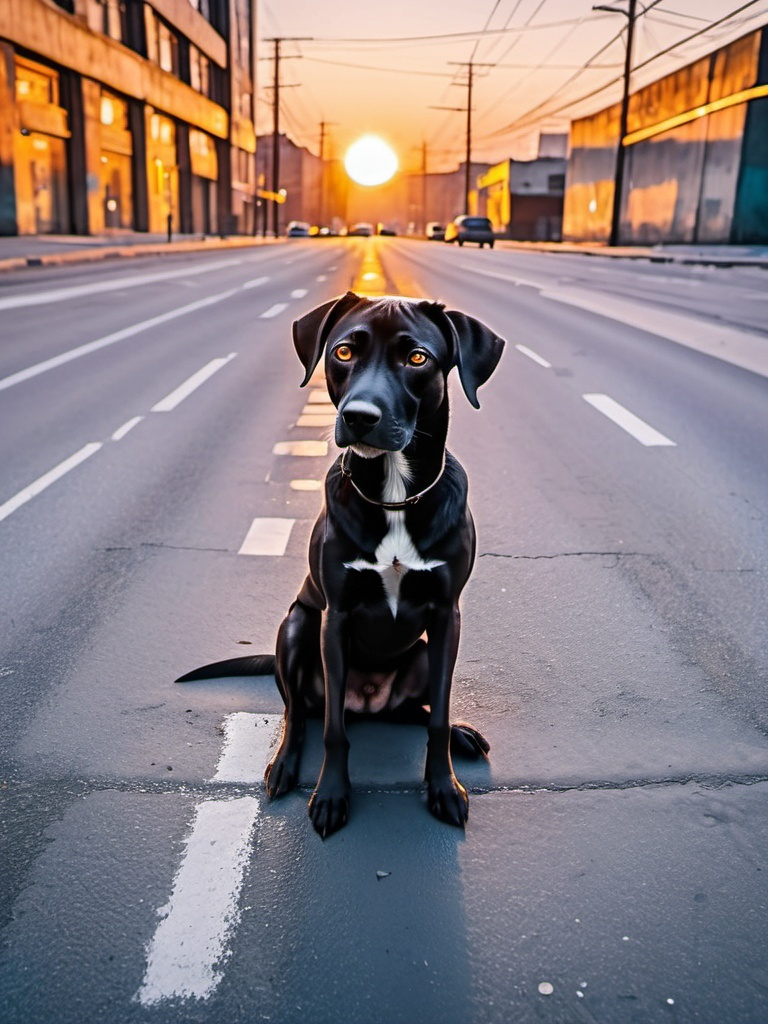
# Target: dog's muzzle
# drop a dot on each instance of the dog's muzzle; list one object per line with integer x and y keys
{"x": 360, "y": 418}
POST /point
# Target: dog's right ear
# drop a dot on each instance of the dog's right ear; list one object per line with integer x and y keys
{"x": 311, "y": 330}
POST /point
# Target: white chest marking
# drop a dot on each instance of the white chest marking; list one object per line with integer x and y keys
{"x": 396, "y": 554}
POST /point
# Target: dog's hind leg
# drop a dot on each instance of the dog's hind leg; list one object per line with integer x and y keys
{"x": 295, "y": 643}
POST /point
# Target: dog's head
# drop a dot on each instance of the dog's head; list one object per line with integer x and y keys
{"x": 387, "y": 360}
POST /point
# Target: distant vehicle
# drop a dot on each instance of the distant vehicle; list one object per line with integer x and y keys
{"x": 470, "y": 229}
{"x": 383, "y": 230}
{"x": 298, "y": 229}
{"x": 434, "y": 231}
{"x": 362, "y": 229}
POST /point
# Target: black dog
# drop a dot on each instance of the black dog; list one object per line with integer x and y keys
{"x": 391, "y": 550}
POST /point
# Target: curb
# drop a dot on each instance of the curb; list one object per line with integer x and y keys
{"x": 97, "y": 254}
{"x": 693, "y": 258}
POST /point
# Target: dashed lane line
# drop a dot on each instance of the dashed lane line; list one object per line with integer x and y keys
{"x": 44, "y": 481}
{"x": 534, "y": 356}
{"x": 633, "y": 425}
{"x": 165, "y": 405}
{"x": 110, "y": 285}
{"x": 111, "y": 339}
{"x": 120, "y": 433}
{"x": 276, "y": 310}
{"x": 192, "y": 383}
{"x": 267, "y": 536}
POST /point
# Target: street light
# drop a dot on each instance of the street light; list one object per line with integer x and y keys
{"x": 618, "y": 187}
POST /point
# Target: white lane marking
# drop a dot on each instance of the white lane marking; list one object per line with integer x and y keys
{"x": 534, "y": 356}
{"x": 275, "y": 310}
{"x": 267, "y": 537}
{"x": 191, "y": 384}
{"x": 31, "y": 490}
{"x": 321, "y": 278}
{"x": 120, "y": 433}
{"x": 110, "y": 339}
{"x": 299, "y": 293}
{"x": 319, "y": 395}
{"x": 255, "y": 282}
{"x": 316, "y": 420}
{"x": 111, "y": 284}
{"x": 301, "y": 448}
{"x": 639, "y": 429}
{"x": 249, "y": 742}
{"x": 306, "y": 485}
{"x": 185, "y": 955}
{"x": 733, "y": 345}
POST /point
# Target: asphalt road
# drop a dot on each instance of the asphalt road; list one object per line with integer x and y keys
{"x": 614, "y": 652}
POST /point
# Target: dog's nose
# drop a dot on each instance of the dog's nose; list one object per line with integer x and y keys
{"x": 360, "y": 417}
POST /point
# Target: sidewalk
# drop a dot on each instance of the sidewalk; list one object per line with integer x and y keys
{"x": 20, "y": 251}
{"x": 702, "y": 255}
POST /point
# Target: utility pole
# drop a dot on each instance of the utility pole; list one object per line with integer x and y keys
{"x": 424, "y": 186}
{"x": 323, "y": 126}
{"x": 277, "y": 41}
{"x": 470, "y": 65}
{"x": 618, "y": 186}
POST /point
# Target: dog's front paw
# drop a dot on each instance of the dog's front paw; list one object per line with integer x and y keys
{"x": 468, "y": 742}
{"x": 282, "y": 774}
{"x": 329, "y": 812}
{"x": 448, "y": 801}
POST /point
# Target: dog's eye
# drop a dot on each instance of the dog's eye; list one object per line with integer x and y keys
{"x": 344, "y": 353}
{"x": 417, "y": 357}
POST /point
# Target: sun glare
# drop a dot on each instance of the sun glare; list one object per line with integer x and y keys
{"x": 370, "y": 161}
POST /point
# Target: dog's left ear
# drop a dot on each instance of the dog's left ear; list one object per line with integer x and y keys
{"x": 477, "y": 354}
{"x": 311, "y": 330}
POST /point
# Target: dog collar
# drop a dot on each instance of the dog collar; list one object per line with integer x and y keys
{"x": 389, "y": 506}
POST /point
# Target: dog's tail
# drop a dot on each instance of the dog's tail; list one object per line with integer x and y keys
{"x": 250, "y": 665}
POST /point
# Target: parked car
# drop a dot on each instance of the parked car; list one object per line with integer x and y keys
{"x": 470, "y": 229}
{"x": 297, "y": 229}
{"x": 361, "y": 229}
{"x": 434, "y": 231}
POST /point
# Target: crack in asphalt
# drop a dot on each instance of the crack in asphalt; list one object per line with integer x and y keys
{"x": 208, "y": 788}
{"x": 568, "y": 554}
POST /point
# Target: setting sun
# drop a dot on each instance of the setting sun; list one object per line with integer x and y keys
{"x": 370, "y": 161}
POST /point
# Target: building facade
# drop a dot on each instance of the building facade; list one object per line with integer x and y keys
{"x": 524, "y": 198}
{"x": 127, "y": 114}
{"x": 696, "y": 162}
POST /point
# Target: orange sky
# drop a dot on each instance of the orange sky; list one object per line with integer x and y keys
{"x": 369, "y": 69}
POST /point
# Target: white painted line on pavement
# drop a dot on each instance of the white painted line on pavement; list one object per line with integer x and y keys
{"x": 306, "y": 485}
{"x": 267, "y": 537}
{"x": 29, "y": 492}
{"x": 110, "y": 339}
{"x": 639, "y": 429}
{"x": 299, "y": 293}
{"x": 255, "y": 283}
{"x": 190, "y": 944}
{"x": 110, "y": 285}
{"x": 534, "y": 356}
{"x": 249, "y": 742}
{"x": 323, "y": 277}
{"x": 191, "y": 384}
{"x": 275, "y": 310}
{"x": 120, "y": 433}
{"x": 301, "y": 448}
{"x": 741, "y": 348}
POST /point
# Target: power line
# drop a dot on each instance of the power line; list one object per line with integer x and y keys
{"x": 528, "y": 119}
